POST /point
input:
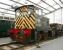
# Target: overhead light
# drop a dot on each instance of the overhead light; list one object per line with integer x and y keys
{"x": 38, "y": 12}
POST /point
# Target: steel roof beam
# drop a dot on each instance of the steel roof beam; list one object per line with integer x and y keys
{"x": 48, "y": 4}
{"x": 61, "y": 1}
{"x": 56, "y": 3}
{"x": 6, "y": 9}
{"x": 38, "y": 5}
{"x": 53, "y": 11}
{"x": 7, "y": 13}
{"x": 16, "y": 2}
{"x": 5, "y": 4}
{"x": 24, "y": 4}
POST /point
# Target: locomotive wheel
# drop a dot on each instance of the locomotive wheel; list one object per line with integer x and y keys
{"x": 20, "y": 38}
{"x": 39, "y": 37}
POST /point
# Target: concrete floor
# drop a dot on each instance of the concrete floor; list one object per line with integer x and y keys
{"x": 5, "y": 40}
{"x": 56, "y": 44}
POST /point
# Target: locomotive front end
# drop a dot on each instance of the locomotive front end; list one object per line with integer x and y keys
{"x": 28, "y": 21}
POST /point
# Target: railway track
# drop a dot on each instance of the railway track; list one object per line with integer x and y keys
{"x": 11, "y": 46}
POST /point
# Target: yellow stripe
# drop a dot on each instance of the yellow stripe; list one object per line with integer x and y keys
{"x": 25, "y": 24}
{"x": 32, "y": 20}
{"x": 21, "y": 25}
{"x": 22, "y": 22}
{"x": 33, "y": 17}
{"x": 29, "y": 22}
{"x": 19, "y": 21}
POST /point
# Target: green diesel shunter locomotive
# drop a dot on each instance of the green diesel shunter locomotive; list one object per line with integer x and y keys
{"x": 27, "y": 23}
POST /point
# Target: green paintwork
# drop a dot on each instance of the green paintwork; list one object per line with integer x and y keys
{"x": 4, "y": 26}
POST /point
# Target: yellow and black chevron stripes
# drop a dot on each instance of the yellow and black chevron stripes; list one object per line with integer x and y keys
{"x": 18, "y": 20}
{"x": 23, "y": 25}
{"x": 33, "y": 17}
{"x": 19, "y": 23}
{"x": 25, "y": 22}
{"x": 29, "y": 21}
{"x": 32, "y": 20}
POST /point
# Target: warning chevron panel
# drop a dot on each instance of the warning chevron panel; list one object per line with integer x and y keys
{"x": 25, "y": 22}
